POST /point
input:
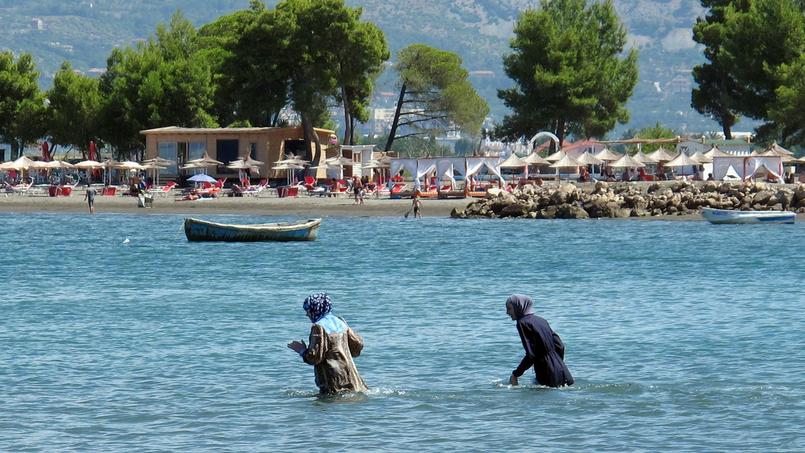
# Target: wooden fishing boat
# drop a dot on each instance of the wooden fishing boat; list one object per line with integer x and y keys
{"x": 720, "y": 216}
{"x": 202, "y": 230}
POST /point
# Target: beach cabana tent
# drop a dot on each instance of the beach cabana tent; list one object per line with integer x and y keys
{"x": 746, "y": 166}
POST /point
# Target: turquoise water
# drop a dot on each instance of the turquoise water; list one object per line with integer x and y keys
{"x": 681, "y": 336}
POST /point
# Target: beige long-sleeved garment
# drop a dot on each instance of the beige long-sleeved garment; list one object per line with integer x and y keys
{"x": 331, "y": 356}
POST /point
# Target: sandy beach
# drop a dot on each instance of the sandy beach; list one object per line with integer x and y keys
{"x": 270, "y": 206}
{"x": 299, "y": 206}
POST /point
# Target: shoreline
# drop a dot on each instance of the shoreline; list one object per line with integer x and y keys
{"x": 269, "y": 206}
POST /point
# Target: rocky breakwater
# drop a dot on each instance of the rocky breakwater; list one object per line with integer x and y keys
{"x": 621, "y": 200}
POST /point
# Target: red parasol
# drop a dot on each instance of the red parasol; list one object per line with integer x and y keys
{"x": 92, "y": 150}
{"x": 45, "y": 152}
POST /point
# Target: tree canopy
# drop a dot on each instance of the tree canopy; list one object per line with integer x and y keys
{"x": 73, "y": 108}
{"x": 569, "y": 73}
{"x": 162, "y": 82}
{"x": 22, "y": 107}
{"x": 435, "y": 95}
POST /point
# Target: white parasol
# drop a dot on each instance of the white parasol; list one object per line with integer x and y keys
{"x": 627, "y": 161}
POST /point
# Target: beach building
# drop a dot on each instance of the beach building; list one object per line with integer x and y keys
{"x": 265, "y": 144}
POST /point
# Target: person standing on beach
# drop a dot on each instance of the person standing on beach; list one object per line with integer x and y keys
{"x": 417, "y": 206}
{"x": 89, "y": 195}
{"x": 332, "y": 346}
{"x": 544, "y": 349}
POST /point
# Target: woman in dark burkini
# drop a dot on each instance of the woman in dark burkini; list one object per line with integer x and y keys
{"x": 544, "y": 349}
{"x": 332, "y": 346}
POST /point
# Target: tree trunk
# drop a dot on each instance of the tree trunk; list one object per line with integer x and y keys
{"x": 560, "y": 131}
{"x": 347, "y": 118}
{"x": 727, "y": 131}
{"x": 311, "y": 136}
{"x": 352, "y": 130}
{"x": 393, "y": 131}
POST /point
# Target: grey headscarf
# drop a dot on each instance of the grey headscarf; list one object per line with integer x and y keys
{"x": 520, "y": 305}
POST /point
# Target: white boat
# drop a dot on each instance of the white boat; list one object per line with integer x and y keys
{"x": 729, "y": 216}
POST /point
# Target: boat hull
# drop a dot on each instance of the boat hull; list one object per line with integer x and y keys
{"x": 725, "y": 216}
{"x": 202, "y": 230}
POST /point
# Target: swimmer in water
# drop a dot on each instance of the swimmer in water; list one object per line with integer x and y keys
{"x": 332, "y": 346}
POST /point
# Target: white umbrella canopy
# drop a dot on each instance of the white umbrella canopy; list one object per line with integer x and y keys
{"x": 682, "y": 160}
{"x": 38, "y": 165}
{"x": 292, "y": 159}
{"x": 89, "y": 164}
{"x": 555, "y": 157}
{"x": 205, "y": 161}
{"x": 21, "y": 163}
{"x": 535, "y": 159}
{"x": 644, "y": 158}
{"x": 339, "y": 161}
{"x": 566, "y": 162}
{"x": 627, "y": 161}
{"x": 287, "y": 167}
{"x": 699, "y": 157}
{"x": 661, "y": 155}
{"x": 60, "y": 164}
{"x": 253, "y": 162}
{"x": 589, "y": 159}
{"x": 608, "y": 155}
{"x": 127, "y": 165}
{"x": 513, "y": 162}
{"x": 715, "y": 152}
{"x": 779, "y": 150}
{"x": 160, "y": 161}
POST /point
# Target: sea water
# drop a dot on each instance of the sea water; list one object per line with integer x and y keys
{"x": 117, "y": 334}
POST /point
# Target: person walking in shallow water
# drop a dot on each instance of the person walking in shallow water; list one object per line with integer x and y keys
{"x": 89, "y": 195}
{"x": 332, "y": 346}
{"x": 544, "y": 349}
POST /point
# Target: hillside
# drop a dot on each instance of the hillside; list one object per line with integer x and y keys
{"x": 84, "y": 31}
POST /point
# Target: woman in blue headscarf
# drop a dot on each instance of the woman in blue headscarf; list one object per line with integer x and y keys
{"x": 544, "y": 349}
{"x": 332, "y": 346}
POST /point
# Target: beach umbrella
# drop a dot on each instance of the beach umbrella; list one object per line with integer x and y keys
{"x": 38, "y": 165}
{"x": 534, "y": 159}
{"x": 627, "y": 161}
{"x": 556, "y": 157}
{"x": 127, "y": 165}
{"x": 644, "y": 158}
{"x": 607, "y": 155}
{"x": 156, "y": 164}
{"x": 203, "y": 162}
{"x": 45, "y": 151}
{"x": 589, "y": 159}
{"x": 288, "y": 167}
{"x": 715, "y": 152}
{"x": 201, "y": 177}
{"x": 253, "y": 162}
{"x": 779, "y": 150}
{"x": 682, "y": 160}
{"x": 340, "y": 161}
{"x": 566, "y": 162}
{"x": 292, "y": 159}
{"x": 661, "y": 155}
{"x": 512, "y": 162}
{"x": 699, "y": 157}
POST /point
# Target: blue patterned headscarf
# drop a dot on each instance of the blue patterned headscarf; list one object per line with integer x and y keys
{"x": 317, "y": 305}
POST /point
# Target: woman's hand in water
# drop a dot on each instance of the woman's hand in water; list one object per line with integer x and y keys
{"x": 513, "y": 380}
{"x": 297, "y": 346}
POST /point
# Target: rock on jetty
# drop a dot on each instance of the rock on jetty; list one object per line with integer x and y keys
{"x": 621, "y": 200}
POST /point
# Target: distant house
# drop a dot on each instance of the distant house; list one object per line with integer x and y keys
{"x": 266, "y": 144}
